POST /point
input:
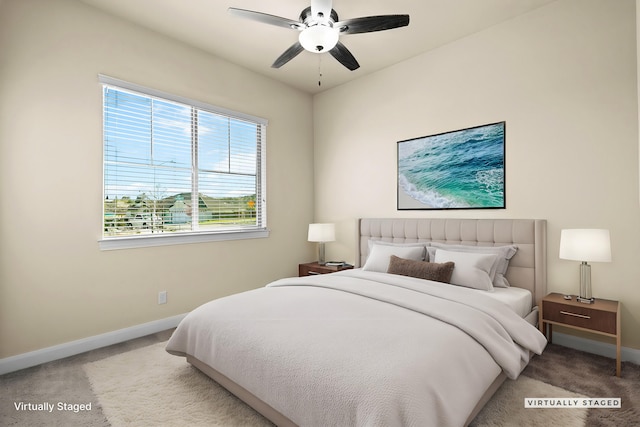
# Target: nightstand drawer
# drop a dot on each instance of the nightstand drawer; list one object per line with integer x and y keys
{"x": 308, "y": 270}
{"x": 313, "y": 268}
{"x": 582, "y": 317}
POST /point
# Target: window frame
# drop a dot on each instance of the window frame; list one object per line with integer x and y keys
{"x": 198, "y": 236}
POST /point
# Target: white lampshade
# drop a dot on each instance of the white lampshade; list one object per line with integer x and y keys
{"x": 591, "y": 245}
{"x": 319, "y": 38}
{"x": 322, "y": 233}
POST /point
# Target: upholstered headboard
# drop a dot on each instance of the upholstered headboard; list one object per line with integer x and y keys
{"x": 527, "y": 269}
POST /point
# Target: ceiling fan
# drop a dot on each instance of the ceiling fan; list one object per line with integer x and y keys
{"x": 320, "y": 30}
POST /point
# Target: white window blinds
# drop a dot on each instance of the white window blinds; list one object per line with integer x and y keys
{"x": 176, "y": 166}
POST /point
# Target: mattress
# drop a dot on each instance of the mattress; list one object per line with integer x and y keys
{"x": 520, "y": 300}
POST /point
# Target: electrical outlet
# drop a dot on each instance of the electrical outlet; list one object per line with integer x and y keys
{"x": 162, "y": 297}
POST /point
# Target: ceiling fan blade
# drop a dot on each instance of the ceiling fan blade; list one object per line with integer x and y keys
{"x": 321, "y": 7}
{"x": 342, "y": 54}
{"x": 288, "y": 55}
{"x": 370, "y": 24}
{"x": 266, "y": 18}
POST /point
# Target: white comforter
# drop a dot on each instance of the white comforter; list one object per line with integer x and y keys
{"x": 361, "y": 348}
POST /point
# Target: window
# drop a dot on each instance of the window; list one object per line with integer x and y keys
{"x": 174, "y": 167}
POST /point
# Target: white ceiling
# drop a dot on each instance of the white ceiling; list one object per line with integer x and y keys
{"x": 206, "y": 24}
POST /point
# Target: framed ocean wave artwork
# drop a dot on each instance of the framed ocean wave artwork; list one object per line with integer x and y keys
{"x": 462, "y": 169}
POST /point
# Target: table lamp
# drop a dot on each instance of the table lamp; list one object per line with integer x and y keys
{"x": 321, "y": 233}
{"x": 585, "y": 245}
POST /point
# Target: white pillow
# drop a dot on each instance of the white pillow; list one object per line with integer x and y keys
{"x": 380, "y": 255}
{"x": 499, "y": 268}
{"x": 471, "y": 270}
{"x": 373, "y": 242}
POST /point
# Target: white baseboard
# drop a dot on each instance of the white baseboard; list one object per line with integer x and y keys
{"x": 596, "y": 347}
{"x": 49, "y": 354}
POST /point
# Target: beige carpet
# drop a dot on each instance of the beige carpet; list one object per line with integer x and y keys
{"x": 149, "y": 387}
{"x": 506, "y": 408}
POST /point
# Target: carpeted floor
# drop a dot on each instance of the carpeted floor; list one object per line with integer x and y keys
{"x": 65, "y": 381}
{"x": 149, "y": 386}
{"x": 60, "y": 381}
{"x": 592, "y": 376}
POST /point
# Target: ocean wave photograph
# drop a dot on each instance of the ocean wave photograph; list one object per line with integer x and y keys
{"x": 463, "y": 169}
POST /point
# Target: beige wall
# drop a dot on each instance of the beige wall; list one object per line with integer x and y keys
{"x": 55, "y": 284}
{"x": 563, "y": 77}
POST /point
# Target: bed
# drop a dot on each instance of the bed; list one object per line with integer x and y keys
{"x": 366, "y": 347}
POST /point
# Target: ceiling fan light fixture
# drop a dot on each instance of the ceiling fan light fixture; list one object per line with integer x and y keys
{"x": 318, "y": 38}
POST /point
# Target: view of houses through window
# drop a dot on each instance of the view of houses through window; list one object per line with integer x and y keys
{"x": 126, "y": 216}
{"x": 170, "y": 167}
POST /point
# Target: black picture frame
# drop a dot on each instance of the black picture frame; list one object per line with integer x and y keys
{"x": 461, "y": 169}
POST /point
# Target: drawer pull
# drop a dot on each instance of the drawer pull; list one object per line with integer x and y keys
{"x": 582, "y": 316}
{"x": 312, "y": 273}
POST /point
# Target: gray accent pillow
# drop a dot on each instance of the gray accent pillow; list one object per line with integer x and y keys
{"x": 421, "y": 269}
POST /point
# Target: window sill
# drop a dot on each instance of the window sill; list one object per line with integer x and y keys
{"x": 131, "y": 242}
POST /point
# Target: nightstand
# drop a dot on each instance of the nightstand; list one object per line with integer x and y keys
{"x": 602, "y": 317}
{"x": 313, "y": 268}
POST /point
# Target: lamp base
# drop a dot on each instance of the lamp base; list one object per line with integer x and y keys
{"x": 585, "y": 284}
{"x": 321, "y": 259}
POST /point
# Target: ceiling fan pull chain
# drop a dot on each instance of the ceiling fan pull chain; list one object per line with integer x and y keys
{"x": 319, "y": 70}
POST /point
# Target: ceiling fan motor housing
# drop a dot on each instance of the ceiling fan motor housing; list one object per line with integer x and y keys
{"x": 307, "y": 17}
{"x": 319, "y": 36}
